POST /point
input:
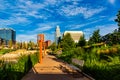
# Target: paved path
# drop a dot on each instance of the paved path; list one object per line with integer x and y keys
{"x": 51, "y": 69}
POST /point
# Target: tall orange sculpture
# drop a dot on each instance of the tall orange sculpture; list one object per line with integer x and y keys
{"x": 40, "y": 40}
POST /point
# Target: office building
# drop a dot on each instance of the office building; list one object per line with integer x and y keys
{"x": 8, "y": 34}
{"x": 47, "y": 43}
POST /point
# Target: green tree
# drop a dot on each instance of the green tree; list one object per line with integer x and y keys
{"x": 82, "y": 41}
{"x": 53, "y": 46}
{"x": 111, "y": 38}
{"x": 31, "y": 45}
{"x": 23, "y": 45}
{"x": 118, "y": 20}
{"x": 18, "y": 45}
{"x": 67, "y": 42}
{"x": 95, "y": 37}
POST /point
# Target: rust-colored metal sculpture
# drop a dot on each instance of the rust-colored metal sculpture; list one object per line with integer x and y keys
{"x": 40, "y": 39}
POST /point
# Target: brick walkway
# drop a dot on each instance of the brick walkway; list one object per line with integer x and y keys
{"x": 51, "y": 69}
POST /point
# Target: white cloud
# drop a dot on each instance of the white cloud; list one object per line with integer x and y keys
{"x": 33, "y": 37}
{"x": 90, "y": 12}
{"x": 112, "y": 18}
{"x": 14, "y": 20}
{"x": 72, "y": 10}
{"x": 30, "y": 9}
{"x": 84, "y": 24}
{"x": 26, "y": 37}
{"x": 43, "y": 27}
{"x": 24, "y": 8}
{"x": 105, "y": 29}
{"x": 20, "y": 11}
{"x": 50, "y": 36}
{"x": 46, "y": 26}
{"x": 50, "y": 2}
{"x": 4, "y": 4}
{"x": 1, "y": 7}
{"x": 111, "y": 1}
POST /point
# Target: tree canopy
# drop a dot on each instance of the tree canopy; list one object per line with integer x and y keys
{"x": 95, "y": 37}
{"x": 114, "y": 37}
{"x": 67, "y": 42}
{"x": 82, "y": 41}
{"x": 53, "y": 46}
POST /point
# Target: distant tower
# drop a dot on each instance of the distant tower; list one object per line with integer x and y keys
{"x": 57, "y": 35}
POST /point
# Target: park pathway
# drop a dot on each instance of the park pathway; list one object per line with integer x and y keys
{"x": 51, "y": 69}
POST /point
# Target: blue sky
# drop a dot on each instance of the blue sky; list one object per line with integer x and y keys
{"x": 31, "y": 17}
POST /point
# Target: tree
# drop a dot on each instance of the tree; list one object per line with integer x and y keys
{"x": 111, "y": 38}
{"x": 53, "y": 46}
{"x": 95, "y": 37}
{"x": 118, "y": 20}
{"x": 31, "y": 45}
{"x": 23, "y": 45}
{"x": 18, "y": 45}
{"x": 82, "y": 41}
{"x": 67, "y": 42}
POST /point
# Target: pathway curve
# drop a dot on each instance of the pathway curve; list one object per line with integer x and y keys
{"x": 51, "y": 69}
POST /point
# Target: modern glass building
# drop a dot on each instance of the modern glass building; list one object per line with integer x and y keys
{"x": 8, "y": 34}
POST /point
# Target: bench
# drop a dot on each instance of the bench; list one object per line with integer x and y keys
{"x": 75, "y": 71}
{"x": 78, "y": 62}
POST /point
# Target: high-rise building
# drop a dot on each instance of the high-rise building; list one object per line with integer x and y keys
{"x": 8, "y": 34}
{"x": 57, "y": 35}
{"x": 75, "y": 35}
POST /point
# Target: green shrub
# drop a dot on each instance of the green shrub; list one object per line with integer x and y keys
{"x": 102, "y": 66}
{"x": 15, "y": 71}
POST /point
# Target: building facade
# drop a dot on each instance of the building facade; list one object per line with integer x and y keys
{"x": 7, "y": 35}
{"x": 57, "y": 35}
{"x": 47, "y": 43}
{"x": 75, "y": 35}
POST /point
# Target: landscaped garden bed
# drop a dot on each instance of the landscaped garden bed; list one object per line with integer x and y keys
{"x": 15, "y": 71}
{"x": 102, "y": 63}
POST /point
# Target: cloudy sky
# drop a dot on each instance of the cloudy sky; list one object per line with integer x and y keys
{"x": 32, "y": 17}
